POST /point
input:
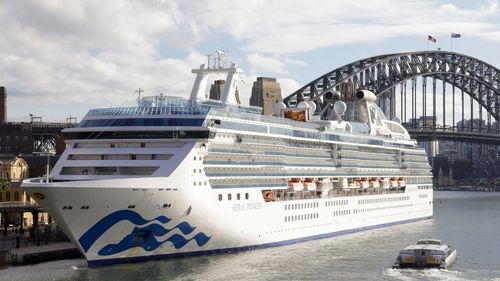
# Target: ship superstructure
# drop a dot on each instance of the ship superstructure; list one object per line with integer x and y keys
{"x": 176, "y": 176}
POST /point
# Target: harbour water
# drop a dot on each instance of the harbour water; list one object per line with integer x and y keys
{"x": 468, "y": 221}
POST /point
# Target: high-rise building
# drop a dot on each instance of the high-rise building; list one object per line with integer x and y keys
{"x": 265, "y": 93}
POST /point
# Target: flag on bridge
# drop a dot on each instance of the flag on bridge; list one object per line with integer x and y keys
{"x": 455, "y": 35}
{"x": 432, "y": 39}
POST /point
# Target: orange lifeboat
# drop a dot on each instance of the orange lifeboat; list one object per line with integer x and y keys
{"x": 385, "y": 183}
{"x": 394, "y": 183}
{"x": 309, "y": 184}
{"x": 295, "y": 184}
{"x": 374, "y": 183}
{"x": 363, "y": 183}
{"x": 401, "y": 182}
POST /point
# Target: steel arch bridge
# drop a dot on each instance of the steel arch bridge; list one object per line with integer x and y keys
{"x": 381, "y": 74}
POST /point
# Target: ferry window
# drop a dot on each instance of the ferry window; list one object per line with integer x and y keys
{"x": 194, "y": 170}
{"x": 229, "y": 196}
{"x": 112, "y": 145}
{"x": 133, "y": 157}
{"x": 246, "y": 196}
{"x": 199, "y": 171}
{"x": 220, "y": 197}
{"x": 204, "y": 183}
{"x": 143, "y": 144}
{"x": 237, "y": 196}
{"x": 194, "y": 158}
{"x": 194, "y": 183}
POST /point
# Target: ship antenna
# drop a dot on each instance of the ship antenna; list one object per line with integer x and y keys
{"x": 208, "y": 60}
{"x": 139, "y": 91}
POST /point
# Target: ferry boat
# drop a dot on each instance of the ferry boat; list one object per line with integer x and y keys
{"x": 427, "y": 253}
{"x": 187, "y": 176}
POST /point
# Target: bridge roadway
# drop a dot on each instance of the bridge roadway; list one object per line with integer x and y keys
{"x": 461, "y": 136}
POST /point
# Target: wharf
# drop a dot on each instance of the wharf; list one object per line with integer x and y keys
{"x": 37, "y": 254}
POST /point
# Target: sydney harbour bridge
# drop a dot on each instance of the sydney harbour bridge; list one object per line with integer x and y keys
{"x": 436, "y": 95}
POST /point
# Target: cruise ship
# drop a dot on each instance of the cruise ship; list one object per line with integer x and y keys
{"x": 188, "y": 176}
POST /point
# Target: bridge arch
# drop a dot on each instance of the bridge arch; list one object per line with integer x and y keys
{"x": 380, "y": 74}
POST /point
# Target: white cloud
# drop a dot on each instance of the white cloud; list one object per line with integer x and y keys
{"x": 266, "y": 65}
{"x": 74, "y": 56}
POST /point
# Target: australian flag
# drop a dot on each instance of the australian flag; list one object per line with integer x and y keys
{"x": 455, "y": 35}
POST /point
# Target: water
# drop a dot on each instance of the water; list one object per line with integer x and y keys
{"x": 468, "y": 221}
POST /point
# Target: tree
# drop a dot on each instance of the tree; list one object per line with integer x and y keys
{"x": 4, "y": 184}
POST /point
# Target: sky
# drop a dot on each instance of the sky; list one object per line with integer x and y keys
{"x": 60, "y": 58}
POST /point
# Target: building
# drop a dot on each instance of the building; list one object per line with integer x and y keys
{"x": 266, "y": 92}
{"x": 217, "y": 88}
{"x": 16, "y": 138}
{"x": 13, "y": 170}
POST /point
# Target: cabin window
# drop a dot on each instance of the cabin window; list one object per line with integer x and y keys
{"x": 220, "y": 197}
{"x": 246, "y": 196}
{"x": 237, "y": 196}
{"x": 143, "y": 144}
{"x": 229, "y": 196}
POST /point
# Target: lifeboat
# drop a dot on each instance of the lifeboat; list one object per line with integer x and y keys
{"x": 374, "y": 183}
{"x": 295, "y": 184}
{"x": 401, "y": 182}
{"x": 309, "y": 184}
{"x": 363, "y": 183}
{"x": 385, "y": 183}
{"x": 394, "y": 183}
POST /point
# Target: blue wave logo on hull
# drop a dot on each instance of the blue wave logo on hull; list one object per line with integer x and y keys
{"x": 144, "y": 237}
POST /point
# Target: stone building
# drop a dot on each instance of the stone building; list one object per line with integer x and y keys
{"x": 266, "y": 92}
{"x": 13, "y": 170}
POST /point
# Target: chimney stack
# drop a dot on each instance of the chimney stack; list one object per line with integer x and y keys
{"x": 3, "y": 105}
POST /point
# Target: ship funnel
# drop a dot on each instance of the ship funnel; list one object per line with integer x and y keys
{"x": 366, "y": 95}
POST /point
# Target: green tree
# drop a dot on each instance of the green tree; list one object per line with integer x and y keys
{"x": 4, "y": 184}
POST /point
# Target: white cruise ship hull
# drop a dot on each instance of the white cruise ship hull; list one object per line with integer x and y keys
{"x": 194, "y": 221}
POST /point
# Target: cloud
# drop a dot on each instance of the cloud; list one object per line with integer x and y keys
{"x": 266, "y": 65}
{"x": 72, "y": 57}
